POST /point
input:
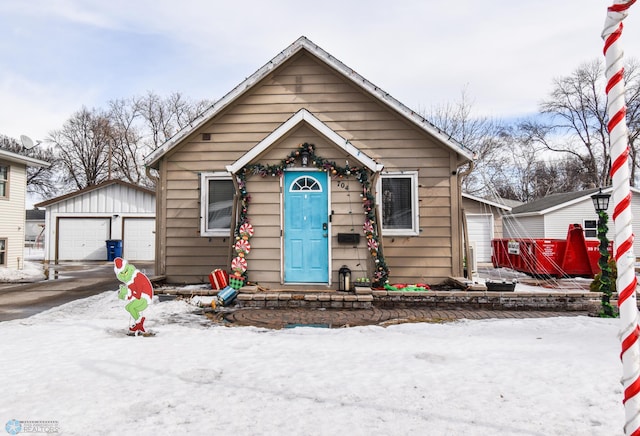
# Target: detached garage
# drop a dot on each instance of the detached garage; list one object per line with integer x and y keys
{"x": 77, "y": 225}
{"x": 484, "y": 222}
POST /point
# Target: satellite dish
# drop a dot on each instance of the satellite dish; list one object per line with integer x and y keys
{"x": 28, "y": 142}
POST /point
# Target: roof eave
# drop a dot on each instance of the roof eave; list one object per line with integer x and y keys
{"x": 18, "y": 158}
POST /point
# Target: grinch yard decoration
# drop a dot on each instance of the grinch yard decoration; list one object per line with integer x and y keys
{"x": 136, "y": 290}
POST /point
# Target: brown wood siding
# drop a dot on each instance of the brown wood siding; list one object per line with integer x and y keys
{"x": 304, "y": 82}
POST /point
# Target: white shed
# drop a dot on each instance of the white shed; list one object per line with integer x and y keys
{"x": 79, "y": 224}
{"x": 551, "y": 216}
{"x": 484, "y": 222}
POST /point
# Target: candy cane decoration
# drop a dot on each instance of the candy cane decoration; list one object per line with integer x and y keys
{"x": 622, "y": 217}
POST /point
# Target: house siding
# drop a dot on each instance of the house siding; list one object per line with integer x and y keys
{"x": 12, "y": 210}
{"x": 304, "y": 82}
{"x": 524, "y": 227}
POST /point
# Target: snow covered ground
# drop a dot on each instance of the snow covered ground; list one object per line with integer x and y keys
{"x": 74, "y": 368}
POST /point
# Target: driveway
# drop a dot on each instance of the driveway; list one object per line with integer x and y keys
{"x": 66, "y": 282}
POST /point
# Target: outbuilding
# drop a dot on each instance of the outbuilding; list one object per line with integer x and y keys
{"x": 79, "y": 224}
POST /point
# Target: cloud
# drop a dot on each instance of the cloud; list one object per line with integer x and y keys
{"x": 424, "y": 53}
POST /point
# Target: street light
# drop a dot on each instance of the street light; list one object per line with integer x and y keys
{"x": 601, "y": 204}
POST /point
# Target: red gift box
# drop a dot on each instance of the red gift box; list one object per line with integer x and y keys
{"x": 219, "y": 279}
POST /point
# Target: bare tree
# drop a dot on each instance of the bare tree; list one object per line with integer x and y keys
{"x": 84, "y": 145}
{"x": 484, "y": 136}
{"x": 575, "y": 120}
{"x": 95, "y": 145}
{"x": 128, "y": 148}
{"x": 164, "y": 117}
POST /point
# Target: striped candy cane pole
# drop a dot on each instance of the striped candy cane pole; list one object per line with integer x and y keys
{"x": 625, "y": 259}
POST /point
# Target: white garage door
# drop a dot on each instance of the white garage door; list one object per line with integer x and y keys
{"x": 139, "y": 242}
{"x": 480, "y": 235}
{"x": 83, "y": 238}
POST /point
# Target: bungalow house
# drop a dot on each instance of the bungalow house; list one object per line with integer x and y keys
{"x": 305, "y": 168}
{"x": 551, "y": 216}
{"x": 13, "y": 192}
{"x": 78, "y": 224}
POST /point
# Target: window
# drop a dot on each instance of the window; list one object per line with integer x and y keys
{"x": 305, "y": 184}
{"x": 398, "y": 200}
{"x": 590, "y": 228}
{"x": 216, "y": 202}
{"x": 4, "y": 181}
{"x": 3, "y": 252}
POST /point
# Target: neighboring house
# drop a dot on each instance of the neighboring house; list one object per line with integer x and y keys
{"x": 484, "y": 222}
{"x": 304, "y": 149}
{"x": 34, "y": 226}
{"x": 13, "y": 191}
{"x": 551, "y": 216}
{"x": 78, "y": 224}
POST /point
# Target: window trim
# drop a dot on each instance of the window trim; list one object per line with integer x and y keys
{"x": 585, "y": 228}
{"x": 6, "y": 248}
{"x": 204, "y": 203}
{"x": 415, "y": 228}
{"x": 6, "y": 181}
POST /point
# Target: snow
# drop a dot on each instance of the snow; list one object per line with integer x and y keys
{"x": 75, "y": 366}
{"x": 31, "y": 272}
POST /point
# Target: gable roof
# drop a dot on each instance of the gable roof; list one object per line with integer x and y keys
{"x": 554, "y": 202}
{"x": 19, "y": 158}
{"x": 303, "y": 116}
{"x": 485, "y": 201}
{"x": 303, "y": 43}
{"x": 93, "y": 188}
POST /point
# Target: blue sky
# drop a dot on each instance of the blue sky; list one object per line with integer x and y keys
{"x": 58, "y": 55}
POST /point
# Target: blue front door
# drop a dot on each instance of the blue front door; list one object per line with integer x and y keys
{"x": 306, "y": 231}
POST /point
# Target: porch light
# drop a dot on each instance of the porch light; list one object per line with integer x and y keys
{"x": 601, "y": 201}
{"x": 344, "y": 274}
{"x": 304, "y": 158}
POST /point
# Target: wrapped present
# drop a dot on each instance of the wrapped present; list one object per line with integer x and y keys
{"x": 219, "y": 279}
{"x": 236, "y": 282}
{"x": 226, "y": 296}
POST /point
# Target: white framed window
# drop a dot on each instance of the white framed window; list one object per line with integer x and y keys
{"x": 590, "y": 228}
{"x": 3, "y": 252}
{"x": 4, "y": 181}
{"x": 398, "y": 202}
{"x": 216, "y": 203}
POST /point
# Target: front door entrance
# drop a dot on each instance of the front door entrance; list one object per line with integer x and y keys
{"x": 306, "y": 227}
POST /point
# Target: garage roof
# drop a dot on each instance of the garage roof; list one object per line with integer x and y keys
{"x": 93, "y": 188}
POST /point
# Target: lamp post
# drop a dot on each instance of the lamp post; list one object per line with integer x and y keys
{"x": 601, "y": 204}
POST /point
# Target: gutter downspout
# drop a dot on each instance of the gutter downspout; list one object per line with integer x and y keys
{"x": 463, "y": 220}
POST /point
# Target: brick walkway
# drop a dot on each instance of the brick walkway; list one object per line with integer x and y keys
{"x": 281, "y": 318}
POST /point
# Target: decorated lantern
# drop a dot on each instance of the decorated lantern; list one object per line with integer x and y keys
{"x": 344, "y": 277}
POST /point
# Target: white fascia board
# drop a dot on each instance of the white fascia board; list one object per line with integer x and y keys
{"x": 487, "y": 202}
{"x": 304, "y": 115}
{"x": 26, "y": 160}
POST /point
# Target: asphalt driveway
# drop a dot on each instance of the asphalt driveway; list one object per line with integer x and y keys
{"x": 66, "y": 282}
